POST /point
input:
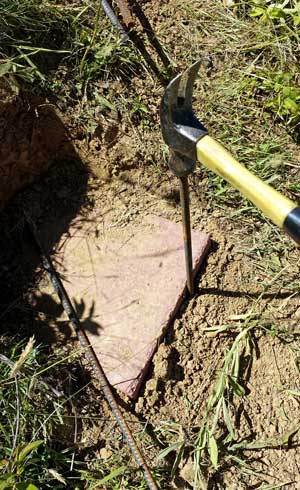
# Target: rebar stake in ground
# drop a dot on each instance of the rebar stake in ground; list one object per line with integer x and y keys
{"x": 186, "y": 222}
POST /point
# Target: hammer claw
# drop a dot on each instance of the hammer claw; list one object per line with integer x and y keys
{"x": 180, "y": 90}
{"x": 189, "y": 79}
{"x": 173, "y": 90}
{"x": 180, "y": 128}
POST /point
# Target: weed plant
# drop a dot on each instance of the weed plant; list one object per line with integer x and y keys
{"x": 39, "y": 37}
{"x": 248, "y": 93}
{"x": 39, "y": 448}
{"x": 30, "y": 30}
{"x": 32, "y": 408}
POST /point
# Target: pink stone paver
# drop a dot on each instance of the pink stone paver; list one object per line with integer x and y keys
{"x": 130, "y": 283}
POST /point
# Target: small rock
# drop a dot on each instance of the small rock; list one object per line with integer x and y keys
{"x": 187, "y": 472}
{"x": 151, "y": 384}
{"x": 161, "y": 369}
{"x": 202, "y": 311}
{"x": 139, "y": 405}
{"x": 105, "y": 453}
{"x": 190, "y": 366}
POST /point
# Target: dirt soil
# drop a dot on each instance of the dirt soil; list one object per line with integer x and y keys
{"x": 114, "y": 172}
{"x": 32, "y": 136}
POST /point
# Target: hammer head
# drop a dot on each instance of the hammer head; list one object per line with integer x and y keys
{"x": 181, "y": 129}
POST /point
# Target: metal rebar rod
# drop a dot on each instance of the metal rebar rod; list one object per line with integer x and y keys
{"x": 125, "y": 12}
{"x": 91, "y": 356}
{"x": 186, "y": 223}
{"x": 113, "y": 19}
{"x": 150, "y": 33}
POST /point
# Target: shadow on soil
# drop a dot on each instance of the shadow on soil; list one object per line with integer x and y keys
{"x": 36, "y": 142}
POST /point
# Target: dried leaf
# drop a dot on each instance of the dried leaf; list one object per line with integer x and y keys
{"x": 57, "y": 476}
{"x": 23, "y": 357}
{"x": 228, "y": 3}
{"x": 213, "y": 451}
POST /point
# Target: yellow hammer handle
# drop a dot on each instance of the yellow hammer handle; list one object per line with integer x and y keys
{"x": 281, "y": 210}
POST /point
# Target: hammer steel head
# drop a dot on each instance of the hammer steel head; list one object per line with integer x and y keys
{"x": 181, "y": 129}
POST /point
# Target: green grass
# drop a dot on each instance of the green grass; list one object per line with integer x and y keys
{"x": 250, "y": 85}
{"x": 70, "y": 53}
{"x": 56, "y": 46}
{"x": 31, "y": 31}
{"x": 216, "y": 446}
{"x": 39, "y": 448}
{"x": 248, "y": 96}
{"x": 32, "y": 410}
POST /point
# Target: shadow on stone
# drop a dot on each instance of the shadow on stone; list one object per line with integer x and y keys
{"x": 34, "y": 143}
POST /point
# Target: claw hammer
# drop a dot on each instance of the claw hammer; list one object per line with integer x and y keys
{"x": 189, "y": 143}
